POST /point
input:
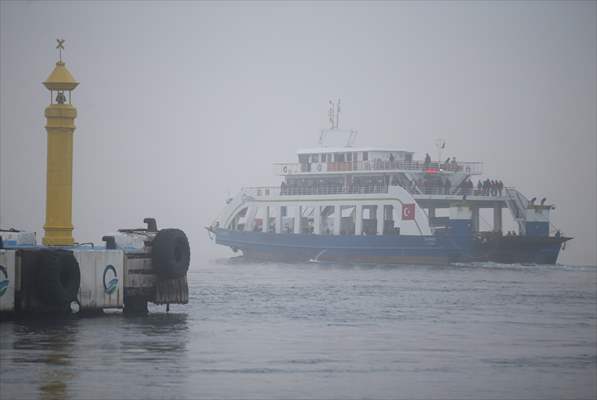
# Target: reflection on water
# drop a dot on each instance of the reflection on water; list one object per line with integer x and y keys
{"x": 49, "y": 344}
{"x": 326, "y": 331}
{"x": 74, "y": 358}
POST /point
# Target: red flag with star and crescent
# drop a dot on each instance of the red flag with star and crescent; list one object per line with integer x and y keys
{"x": 408, "y": 212}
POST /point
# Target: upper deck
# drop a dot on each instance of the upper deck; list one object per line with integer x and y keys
{"x": 365, "y": 160}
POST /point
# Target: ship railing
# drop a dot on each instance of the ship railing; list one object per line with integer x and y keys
{"x": 288, "y": 190}
{"x": 469, "y": 168}
{"x": 261, "y": 191}
{"x": 284, "y": 190}
{"x": 441, "y": 190}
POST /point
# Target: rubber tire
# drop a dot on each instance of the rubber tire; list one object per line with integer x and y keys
{"x": 170, "y": 253}
{"x": 58, "y": 277}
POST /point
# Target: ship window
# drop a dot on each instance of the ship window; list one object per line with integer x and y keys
{"x": 315, "y": 158}
{"x": 339, "y": 157}
{"x": 365, "y": 156}
{"x": 349, "y": 157}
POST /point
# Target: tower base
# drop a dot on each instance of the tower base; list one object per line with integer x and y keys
{"x": 58, "y": 236}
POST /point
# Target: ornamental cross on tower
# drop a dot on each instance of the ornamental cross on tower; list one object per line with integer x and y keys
{"x": 60, "y": 47}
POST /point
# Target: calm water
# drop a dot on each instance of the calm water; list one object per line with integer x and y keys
{"x": 327, "y": 331}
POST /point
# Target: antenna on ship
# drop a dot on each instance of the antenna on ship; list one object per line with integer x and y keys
{"x": 338, "y": 114}
{"x": 331, "y": 114}
{"x": 334, "y": 119}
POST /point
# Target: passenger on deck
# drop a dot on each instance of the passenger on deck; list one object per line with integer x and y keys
{"x": 427, "y": 160}
{"x": 447, "y": 185}
{"x": 283, "y": 188}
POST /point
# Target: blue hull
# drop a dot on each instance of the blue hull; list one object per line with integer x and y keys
{"x": 456, "y": 245}
{"x": 391, "y": 249}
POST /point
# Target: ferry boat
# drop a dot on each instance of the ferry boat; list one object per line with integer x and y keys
{"x": 376, "y": 205}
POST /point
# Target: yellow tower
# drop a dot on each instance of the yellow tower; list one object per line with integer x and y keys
{"x": 60, "y": 125}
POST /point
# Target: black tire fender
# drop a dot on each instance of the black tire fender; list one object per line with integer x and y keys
{"x": 58, "y": 277}
{"x": 170, "y": 253}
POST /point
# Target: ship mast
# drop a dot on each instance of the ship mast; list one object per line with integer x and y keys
{"x": 334, "y": 119}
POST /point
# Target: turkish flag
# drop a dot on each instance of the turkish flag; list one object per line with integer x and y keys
{"x": 408, "y": 212}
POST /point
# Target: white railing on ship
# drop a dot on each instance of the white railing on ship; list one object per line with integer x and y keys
{"x": 440, "y": 190}
{"x": 470, "y": 168}
{"x": 265, "y": 191}
{"x": 259, "y": 191}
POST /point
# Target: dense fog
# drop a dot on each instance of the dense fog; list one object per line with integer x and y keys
{"x": 181, "y": 104}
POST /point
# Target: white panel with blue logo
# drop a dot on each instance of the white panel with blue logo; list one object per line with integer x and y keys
{"x": 102, "y": 275}
{"x": 7, "y": 280}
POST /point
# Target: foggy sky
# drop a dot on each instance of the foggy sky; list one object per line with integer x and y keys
{"x": 182, "y": 104}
